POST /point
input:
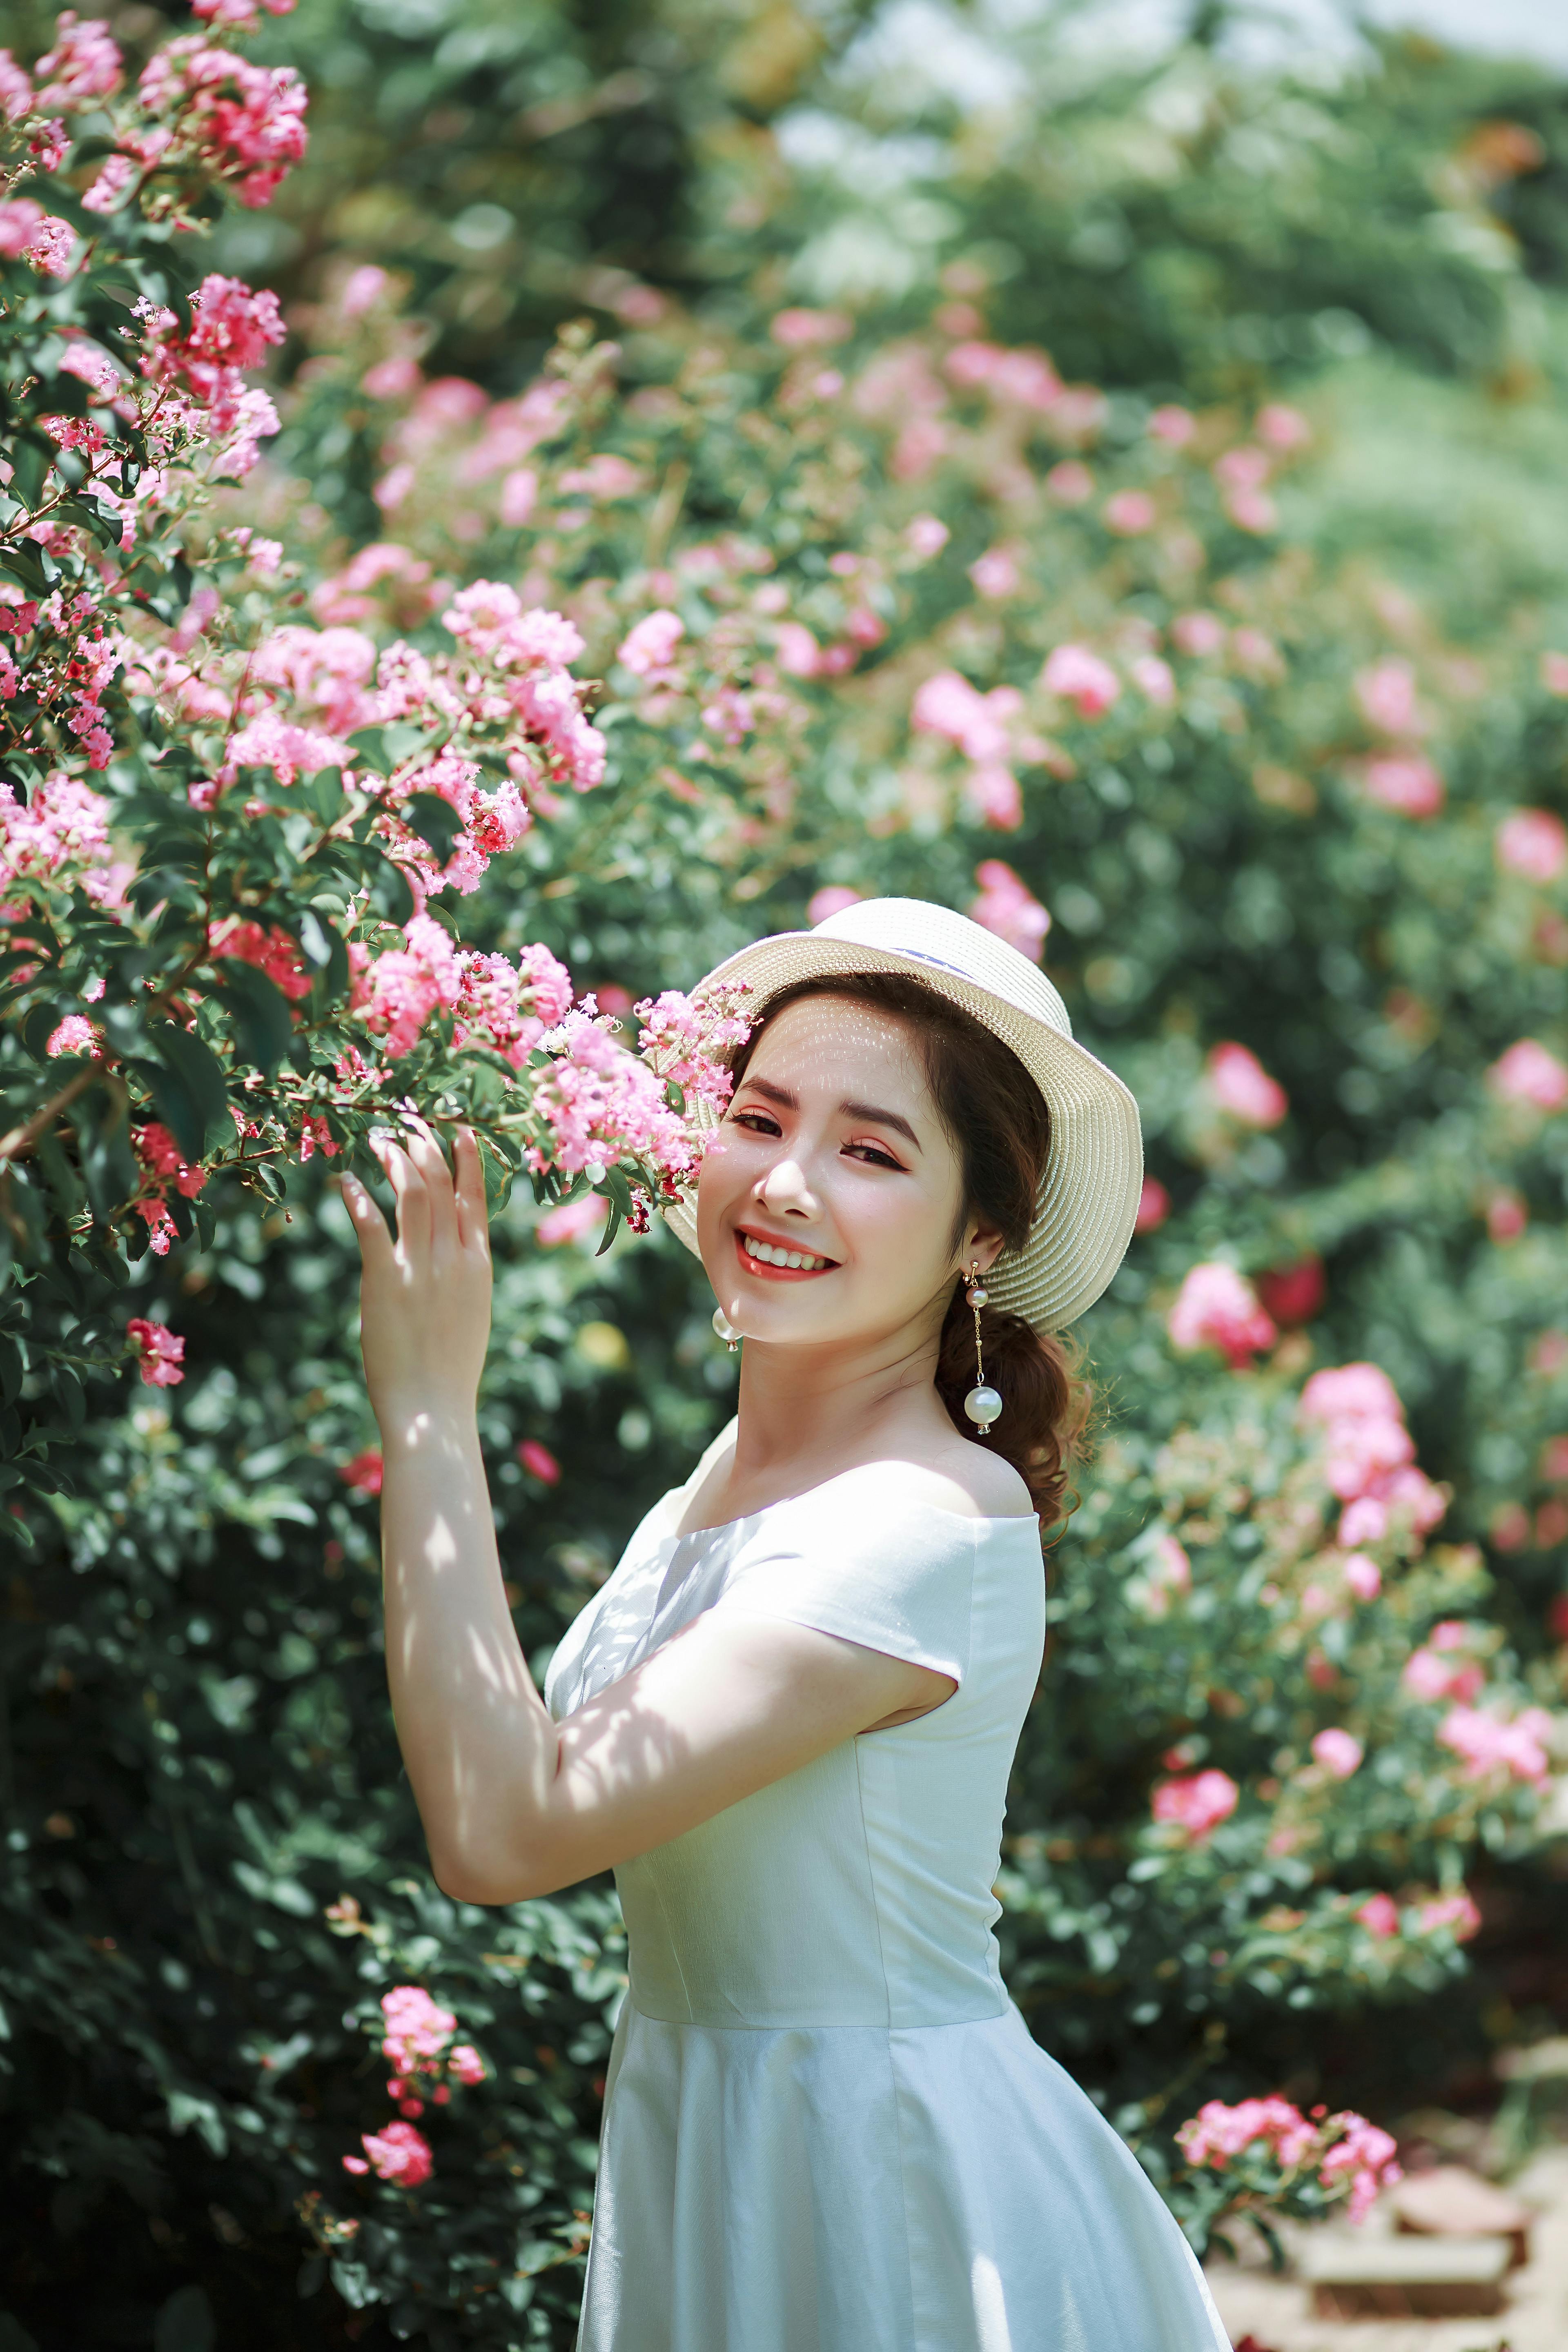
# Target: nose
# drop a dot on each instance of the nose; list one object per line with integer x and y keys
{"x": 785, "y": 1192}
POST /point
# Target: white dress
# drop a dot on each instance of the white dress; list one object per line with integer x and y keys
{"x": 826, "y": 2127}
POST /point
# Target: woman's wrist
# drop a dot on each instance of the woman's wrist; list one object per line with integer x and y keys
{"x": 416, "y": 1424}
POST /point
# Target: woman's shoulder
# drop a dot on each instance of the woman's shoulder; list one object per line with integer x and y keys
{"x": 963, "y": 1482}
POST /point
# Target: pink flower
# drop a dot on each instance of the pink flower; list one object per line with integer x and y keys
{"x": 158, "y": 1352}
{"x": 1364, "y": 1576}
{"x": 992, "y": 793}
{"x": 926, "y": 537}
{"x": 1379, "y": 1915}
{"x": 1386, "y": 694}
{"x": 159, "y": 1151}
{"x": 1534, "y": 843}
{"x": 573, "y": 1221}
{"x": 1217, "y": 2132}
{"x": 1338, "y": 1751}
{"x": 398, "y": 2153}
{"x": 465, "y": 2063}
{"x": 1527, "y": 1072}
{"x": 1218, "y": 1307}
{"x": 1349, "y": 1392}
{"x": 1154, "y": 679}
{"x": 519, "y": 492}
{"x": 1197, "y": 1802}
{"x": 648, "y": 648}
{"x": 1081, "y": 678}
{"x": 1129, "y": 512}
{"x": 115, "y": 175}
{"x": 1281, "y": 427}
{"x": 1198, "y": 633}
{"x": 1458, "y": 1913}
{"x": 801, "y": 330}
{"x": 996, "y": 573}
{"x": 417, "y": 2026}
{"x": 1252, "y": 511}
{"x": 1169, "y": 1576}
{"x": 1242, "y": 1086}
{"x": 1367, "y": 2155}
{"x": 1174, "y": 426}
{"x": 1243, "y": 468}
{"x": 831, "y": 899}
{"x": 1070, "y": 484}
{"x": 75, "y": 1034}
{"x": 539, "y": 1462}
{"x": 362, "y": 1475}
{"x": 1488, "y": 1744}
{"x": 83, "y": 65}
{"x": 1293, "y": 1294}
{"x": 1554, "y": 673}
{"x": 1409, "y": 785}
{"x": 1153, "y": 1206}
{"x": 270, "y": 950}
{"x": 1007, "y": 907}
{"x": 399, "y": 991}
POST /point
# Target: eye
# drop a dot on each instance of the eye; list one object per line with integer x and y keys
{"x": 760, "y": 1122}
{"x": 874, "y": 1155}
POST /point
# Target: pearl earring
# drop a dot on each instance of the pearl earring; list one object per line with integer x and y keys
{"x": 983, "y": 1404}
{"x": 724, "y": 1330}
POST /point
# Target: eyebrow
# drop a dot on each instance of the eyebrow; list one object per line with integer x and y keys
{"x": 788, "y": 1101}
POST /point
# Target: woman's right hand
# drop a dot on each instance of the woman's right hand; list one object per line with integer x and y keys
{"x": 425, "y": 1298}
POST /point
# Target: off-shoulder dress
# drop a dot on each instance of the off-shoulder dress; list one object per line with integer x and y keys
{"x": 826, "y": 2127}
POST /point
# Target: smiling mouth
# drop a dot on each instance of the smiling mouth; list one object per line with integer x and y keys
{"x": 775, "y": 1262}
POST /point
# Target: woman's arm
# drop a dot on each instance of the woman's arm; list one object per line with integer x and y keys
{"x": 512, "y": 1804}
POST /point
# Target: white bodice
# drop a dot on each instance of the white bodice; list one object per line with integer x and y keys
{"x": 856, "y": 1891}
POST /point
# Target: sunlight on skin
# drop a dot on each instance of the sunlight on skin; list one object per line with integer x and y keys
{"x": 832, "y": 1147}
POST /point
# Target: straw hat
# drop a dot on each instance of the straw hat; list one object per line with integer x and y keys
{"x": 1089, "y": 1192}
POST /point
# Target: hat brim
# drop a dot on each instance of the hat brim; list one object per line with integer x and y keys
{"x": 1089, "y": 1196}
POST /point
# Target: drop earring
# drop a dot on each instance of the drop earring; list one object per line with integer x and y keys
{"x": 724, "y": 1330}
{"x": 983, "y": 1404}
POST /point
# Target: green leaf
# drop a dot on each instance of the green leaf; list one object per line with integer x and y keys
{"x": 198, "y": 1066}
{"x": 436, "y": 822}
{"x": 264, "y": 1024}
{"x": 31, "y": 457}
{"x": 26, "y": 562}
{"x": 323, "y": 791}
{"x": 175, "y": 1105}
{"x": 390, "y": 894}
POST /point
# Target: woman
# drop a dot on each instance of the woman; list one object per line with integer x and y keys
{"x": 788, "y": 1718}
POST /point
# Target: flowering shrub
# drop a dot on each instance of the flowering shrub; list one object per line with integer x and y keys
{"x": 400, "y": 749}
{"x": 1263, "y": 2158}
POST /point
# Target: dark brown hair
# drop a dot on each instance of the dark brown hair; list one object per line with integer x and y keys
{"x": 1001, "y": 1126}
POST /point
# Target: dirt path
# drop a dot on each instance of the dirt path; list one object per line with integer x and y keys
{"x": 1276, "y": 2312}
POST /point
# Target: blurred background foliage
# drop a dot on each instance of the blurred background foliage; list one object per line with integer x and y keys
{"x": 1386, "y": 241}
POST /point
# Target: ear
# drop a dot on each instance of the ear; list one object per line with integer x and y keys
{"x": 982, "y": 1246}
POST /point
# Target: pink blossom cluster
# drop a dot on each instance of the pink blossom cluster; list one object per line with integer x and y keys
{"x": 269, "y": 948}
{"x": 1533, "y": 841}
{"x": 157, "y": 1351}
{"x": 222, "y": 115}
{"x": 685, "y": 1039}
{"x": 1007, "y": 907}
{"x": 64, "y": 825}
{"x": 1441, "y": 1668}
{"x": 1347, "y": 2151}
{"x": 1491, "y": 1743}
{"x": 1368, "y": 1454}
{"x": 418, "y": 2046}
{"x": 398, "y": 991}
{"x": 165, "y": 1163}
{"x": 980, "y": 725}
{"x": 1243, "y": 1088}
{"x": 510, "y": 1006}
{"x": 74, "y": 1034}
{"x": 231, "y": 330}
{"x": 30, "y": 233}
{"x": 1080, "y": 677}
{"x": 1218, "y": 1307}
{"x": 1195, "y": 1801}
{"x": 603, "y": 1105}
{"x": 1528, "y": 1073}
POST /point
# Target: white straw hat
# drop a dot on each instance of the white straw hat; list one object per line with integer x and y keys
{"x": 1089, "y": 1192}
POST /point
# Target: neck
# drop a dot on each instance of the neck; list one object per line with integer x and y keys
{"x": 806, "y": 1405}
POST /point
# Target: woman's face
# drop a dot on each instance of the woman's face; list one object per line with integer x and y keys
{"x": 832, "y": 1154}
